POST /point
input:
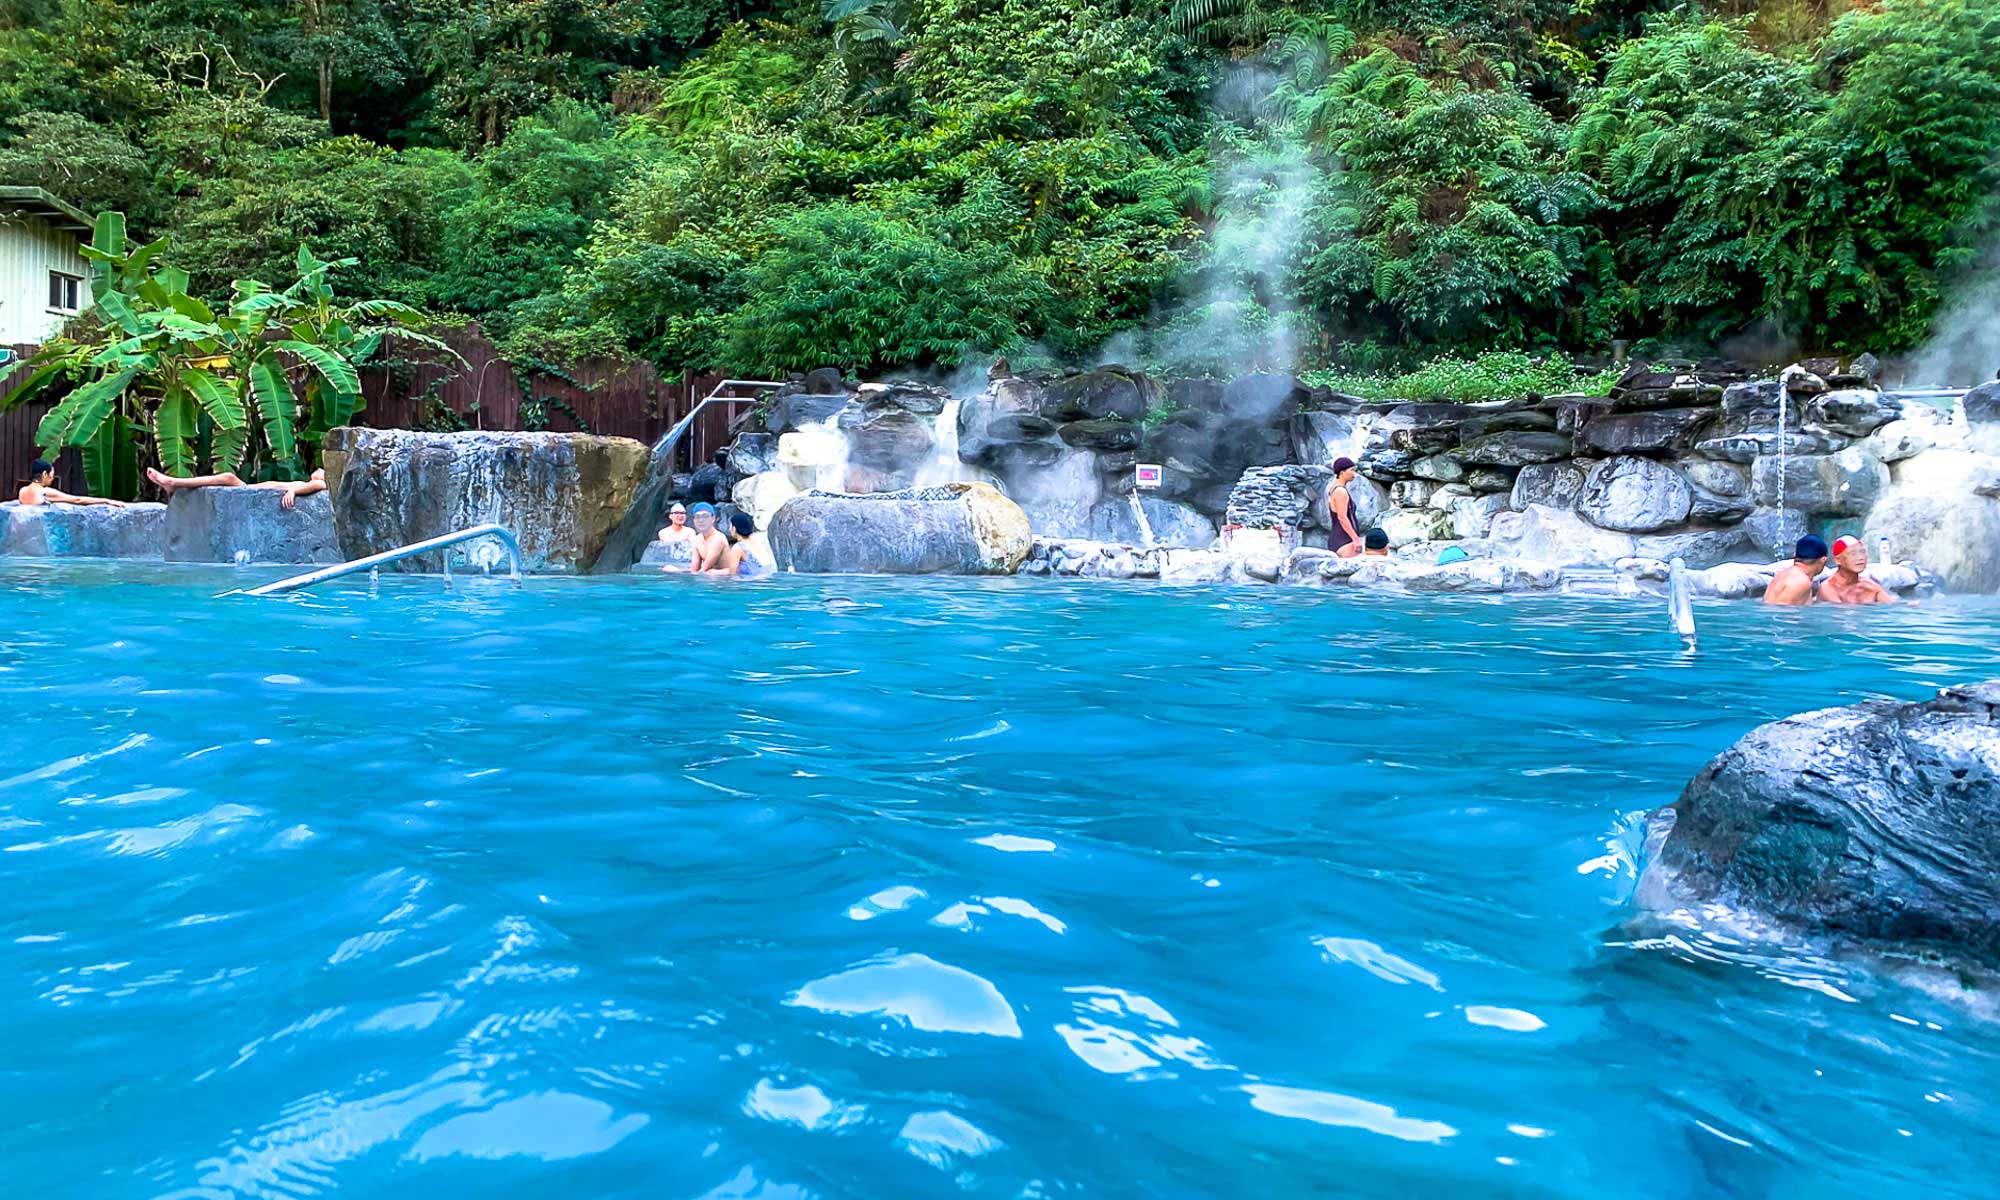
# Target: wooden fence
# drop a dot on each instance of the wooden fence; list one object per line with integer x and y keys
{"x": 416, "y": 388}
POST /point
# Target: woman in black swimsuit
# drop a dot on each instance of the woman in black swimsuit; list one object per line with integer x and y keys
{"x": 1343, "y": 534}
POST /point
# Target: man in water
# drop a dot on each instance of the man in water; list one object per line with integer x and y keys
{"x": 1376, "y": 544}
{"x": 709, "y": 545}
{"x": 678, "y": 539}
{"x": 289, "y": 489}
{"x": 1341, "y": 536}
{"x": 41, "y": 489}
{"x": 741, "y": 560}
{"x": 1794, "y": 585}
{"x": 1847, "y": 584}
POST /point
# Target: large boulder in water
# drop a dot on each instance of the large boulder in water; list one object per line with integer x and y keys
{"x": 1942, "y": 512}
{"x": 562, "y": 494}
{"x": 216, "y": 524}
{"x": 1877, "y": 824}
{"x": 83, "y": 530}
{"x": 951, "y": 529}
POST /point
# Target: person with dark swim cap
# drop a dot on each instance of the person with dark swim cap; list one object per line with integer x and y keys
{"x": 740, "y": 560}
{"x": 1847, "y": 584}
{"x": 1341, "y": 535}
{"x": 1794, "y": 585}
{"x": 710, "y": 546}
{"x": 1376, "y": 544}
{"x": 41, "y": 489}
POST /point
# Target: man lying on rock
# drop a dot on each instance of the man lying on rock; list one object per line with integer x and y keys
{"x": 1847, "y": 585}
{"x": 41, "y": 489}
{"x": 292, "y": 489}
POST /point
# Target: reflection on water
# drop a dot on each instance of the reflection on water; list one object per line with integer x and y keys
{"x": 641, "y": 887}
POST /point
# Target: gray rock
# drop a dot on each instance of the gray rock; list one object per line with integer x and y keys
{"x": 1557, "y": 536}
{"x": 1695, "y": 547}
{"x": 1757, "y": 397}
{"x": 1387, "y": 465}
{"x": 1422, "y": 428}
{"x": 1856, "y": 412}
{"x": 1521, "y": 419}
{"x": 1721, "y": 490}
{"x": 800, "y": 409}
{"x": 1653, "y": 432}
{"x": 1472, "y": 516}
{"x": 1438, "y": 468}
{"x": 1370, "y": 501}
{"x": 1634, "y": 495}
{"x": 1103, "y": 434}
{"x": 1903, "y": 438}
{"x": 1276, "y": 497}
{"x": 1874, "y": 825}
{"x": 1107, "y": 392}
{"x": 923, "y": 399}
{"x": 1800, "y": 381}
{"x": 1319, "y": 437}
{"x": 1515, "y": 449}
{"x": 1447, "y": 494}
{"x": 83, "y": 531}
{"x": 1775, "y": 531}
{"x": 215, "y": 524}
{"x": 1180, "y": 525}
{"x": 1411, "y": 493}
{"x": 1939, "y": 513}
{"x": 1407, "y": 525}
{"x": 1749, "y": 447}
{"x": 1490, "y": 479}
{"x": 1842, "y": 484}
{"x": 824, "y": 381}
{"x": 952, "y": 529}
{"x": 753, "y": 453}
{"x": 1982, "y": 404}
{"x": 1553, "y": 484}
{"x": 564, "y": 495}
{"x": 889, "y": 441}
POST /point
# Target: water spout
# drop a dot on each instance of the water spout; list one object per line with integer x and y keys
{"x": 1146, "y": 541}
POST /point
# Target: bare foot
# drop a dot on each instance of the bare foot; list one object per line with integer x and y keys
{"x": 161, "y": 480}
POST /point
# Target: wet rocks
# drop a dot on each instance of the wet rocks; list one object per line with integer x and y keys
{"x": 1094, "y": 395}
{"x": 1171, "y": 524}
{"x": 1515, "y": 449}
{"x": 1774, "y": 532}
{"x": 798, "y": 409}
{"x": 1720, "y": 490}
{"x": 1276, "y": 497}
{"x": 922, "y": 399}
{"x": 1634, "y": 495}
{"x": 1840, "y": 484}
{"x": 563, "y": 494}
{"x": 953, "y": 529}
{"x": 1319, "y": 437}
{"x": 1656, "y": 431}
{"x": 83, "y": 531}
{"x": 1555, "y": 536}
{"x": 1982, "y": 404}
{"x": 215, "y": 525}
{"x": 1873, "y": 824}
{"x": 1552, "y": 484}
{"x": 891, "y": 441}
{"x": 1856, "y": 412}
{"x": 1103, "y": 434}
{"x": 1940, "y": 511}
{"x": 1749, "y": 447}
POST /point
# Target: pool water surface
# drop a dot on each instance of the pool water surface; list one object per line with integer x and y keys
{"x": 873, "y": 888}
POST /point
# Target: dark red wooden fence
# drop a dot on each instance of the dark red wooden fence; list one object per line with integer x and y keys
{"x": 417, "y": 388}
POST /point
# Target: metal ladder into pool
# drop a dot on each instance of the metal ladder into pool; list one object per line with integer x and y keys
{"x": 400, "y": 553}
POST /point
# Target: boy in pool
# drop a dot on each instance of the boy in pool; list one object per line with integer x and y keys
{"x": 41, "y": 489}
{"x": 710, "y": 545}
{"x": 291, "y": 489}
{"x": 1847, "y": 585}
{"x": 1794, "y": 585}
{"x": 679, "y": 540}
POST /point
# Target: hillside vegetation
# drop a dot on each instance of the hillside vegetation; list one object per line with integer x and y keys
{"x": 886, "y": 183}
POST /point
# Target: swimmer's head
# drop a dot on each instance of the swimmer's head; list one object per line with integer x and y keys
{"x": 1809, "y": 550}
{"x": 41, "y": 471}
{"x": 1851, "y": 553}
{"x": 741, "y": 525}
{"x": 1377, "y": 539}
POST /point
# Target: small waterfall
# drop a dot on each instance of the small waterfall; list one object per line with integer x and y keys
{"x": 943, "y": 466}
{"x": 1784, "y": 394}
{"x": 1146, "y": 541}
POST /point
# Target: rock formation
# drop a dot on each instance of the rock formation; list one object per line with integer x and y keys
{"x": 952, "y": 529}
{"x": 83, "y": 531}
{"x": 1877, "y": 825}
{"x": 215, "y": 525}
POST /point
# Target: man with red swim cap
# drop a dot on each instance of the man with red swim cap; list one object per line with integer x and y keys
{"x": 1847, "y": 585}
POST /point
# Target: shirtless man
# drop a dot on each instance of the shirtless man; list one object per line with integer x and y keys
{"x": 1794, "y": 585}
{"x": 292, "y": 489}
{"x": 41, "y": 489}
{"x": 1376, "y": 543}
{"x": 1847, "y": 584}
{"x": 710, "y": 546}
{"x": 678, "y": 539}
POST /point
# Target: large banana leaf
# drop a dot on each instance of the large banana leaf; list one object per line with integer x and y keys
{"x": 174, "y": 428}
{"x": 340, "y": 398}
{"x": 118, "y": 309}
{"x": 222, "y": 405}
{"x": 111, "y": 460}
{"x": 77, "y": 419}
{"x": 274, "y": 404}
{"x": 32, "y": 386}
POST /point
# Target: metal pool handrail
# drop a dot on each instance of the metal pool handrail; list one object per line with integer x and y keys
{"x": 397, "y": 555}
{"x": 1680, "y": 602}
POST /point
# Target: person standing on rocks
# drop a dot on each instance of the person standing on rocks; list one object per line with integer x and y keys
{"x": 710, "y": 546}
{"x": 1848, "y": 585}
{"x": 1341, "y": 535}
{"x": 1794, "y": 585}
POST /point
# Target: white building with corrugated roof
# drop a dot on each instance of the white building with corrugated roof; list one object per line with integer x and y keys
{"x": 44, "y": 280}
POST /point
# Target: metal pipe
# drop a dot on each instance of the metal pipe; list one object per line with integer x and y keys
{"x": 397, "y": 555}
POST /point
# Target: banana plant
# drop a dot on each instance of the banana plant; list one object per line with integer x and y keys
{"x": 159, "y": 368}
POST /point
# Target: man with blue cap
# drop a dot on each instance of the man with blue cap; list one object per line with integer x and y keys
{"x": 1794, "y": 585}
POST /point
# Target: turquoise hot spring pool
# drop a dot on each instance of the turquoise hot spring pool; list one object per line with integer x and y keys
{"x": 879, "y": 888}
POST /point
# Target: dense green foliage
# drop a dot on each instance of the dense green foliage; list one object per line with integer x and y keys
{"x": 886, "y": 183}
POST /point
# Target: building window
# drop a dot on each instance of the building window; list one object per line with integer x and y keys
{"x": 65, "y": 292}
